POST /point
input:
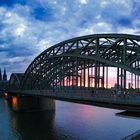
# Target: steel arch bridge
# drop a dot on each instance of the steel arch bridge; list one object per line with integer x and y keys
{"x": 84, "y": 61}
{"x": 15, "y": 80}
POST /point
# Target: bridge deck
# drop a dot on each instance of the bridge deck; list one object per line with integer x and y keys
{"x": 126, "y": 102}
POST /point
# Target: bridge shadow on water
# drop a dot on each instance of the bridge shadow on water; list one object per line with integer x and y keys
{"x": 129, "y": 114}
{"x": 35, "y": 125}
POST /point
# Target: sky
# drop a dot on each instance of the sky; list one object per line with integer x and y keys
{"x": 28, "y": 27}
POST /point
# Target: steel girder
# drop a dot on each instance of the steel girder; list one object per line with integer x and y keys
{"x": 52, "y": 65}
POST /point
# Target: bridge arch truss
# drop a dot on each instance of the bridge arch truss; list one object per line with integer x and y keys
{"x": 84, "y": 62}
{"x": 15, "y": 81}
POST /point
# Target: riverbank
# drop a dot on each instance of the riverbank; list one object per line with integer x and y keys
{"x": 133, "y": 136}
{"x": 137, "y": 137}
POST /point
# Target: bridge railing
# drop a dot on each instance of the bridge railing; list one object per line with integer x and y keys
{"x": 99, "y": 95}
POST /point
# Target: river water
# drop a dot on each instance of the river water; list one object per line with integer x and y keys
{"x": 70, "y": 121}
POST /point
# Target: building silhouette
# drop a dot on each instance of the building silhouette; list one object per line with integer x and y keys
{"x": 4, "y": 75}
{"x": 3, "y": 81}
{"x": 0, "y": 75}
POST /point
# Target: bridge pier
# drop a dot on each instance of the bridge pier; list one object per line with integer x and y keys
{"x": 31, "y": 103}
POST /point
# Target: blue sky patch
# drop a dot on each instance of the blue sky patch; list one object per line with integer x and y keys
{"x": 10, "y": 3}
{"x": 43, "y": 14}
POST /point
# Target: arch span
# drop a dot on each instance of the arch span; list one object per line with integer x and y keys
{"x": 15, "y": 80}
{"x": 67, "y": 63}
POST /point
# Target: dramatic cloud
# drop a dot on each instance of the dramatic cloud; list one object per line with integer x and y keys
{"x": 29, "y": 27}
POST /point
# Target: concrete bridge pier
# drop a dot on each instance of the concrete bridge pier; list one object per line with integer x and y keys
{"x": 32, "y": 103}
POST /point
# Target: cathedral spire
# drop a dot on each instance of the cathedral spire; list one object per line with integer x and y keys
{"x": 0, "y": 75}
{"x": 4, "y": 75}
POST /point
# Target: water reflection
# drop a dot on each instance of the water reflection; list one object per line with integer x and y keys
{"x": 34, "y": 125}
{"x": 69, "y": 122}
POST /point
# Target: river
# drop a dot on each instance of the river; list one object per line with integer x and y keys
{"x": 70, "y": 121}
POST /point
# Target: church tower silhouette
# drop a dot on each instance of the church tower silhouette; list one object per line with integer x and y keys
{"x": 4, "y": 75}
{"x": 0, "y": 75}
